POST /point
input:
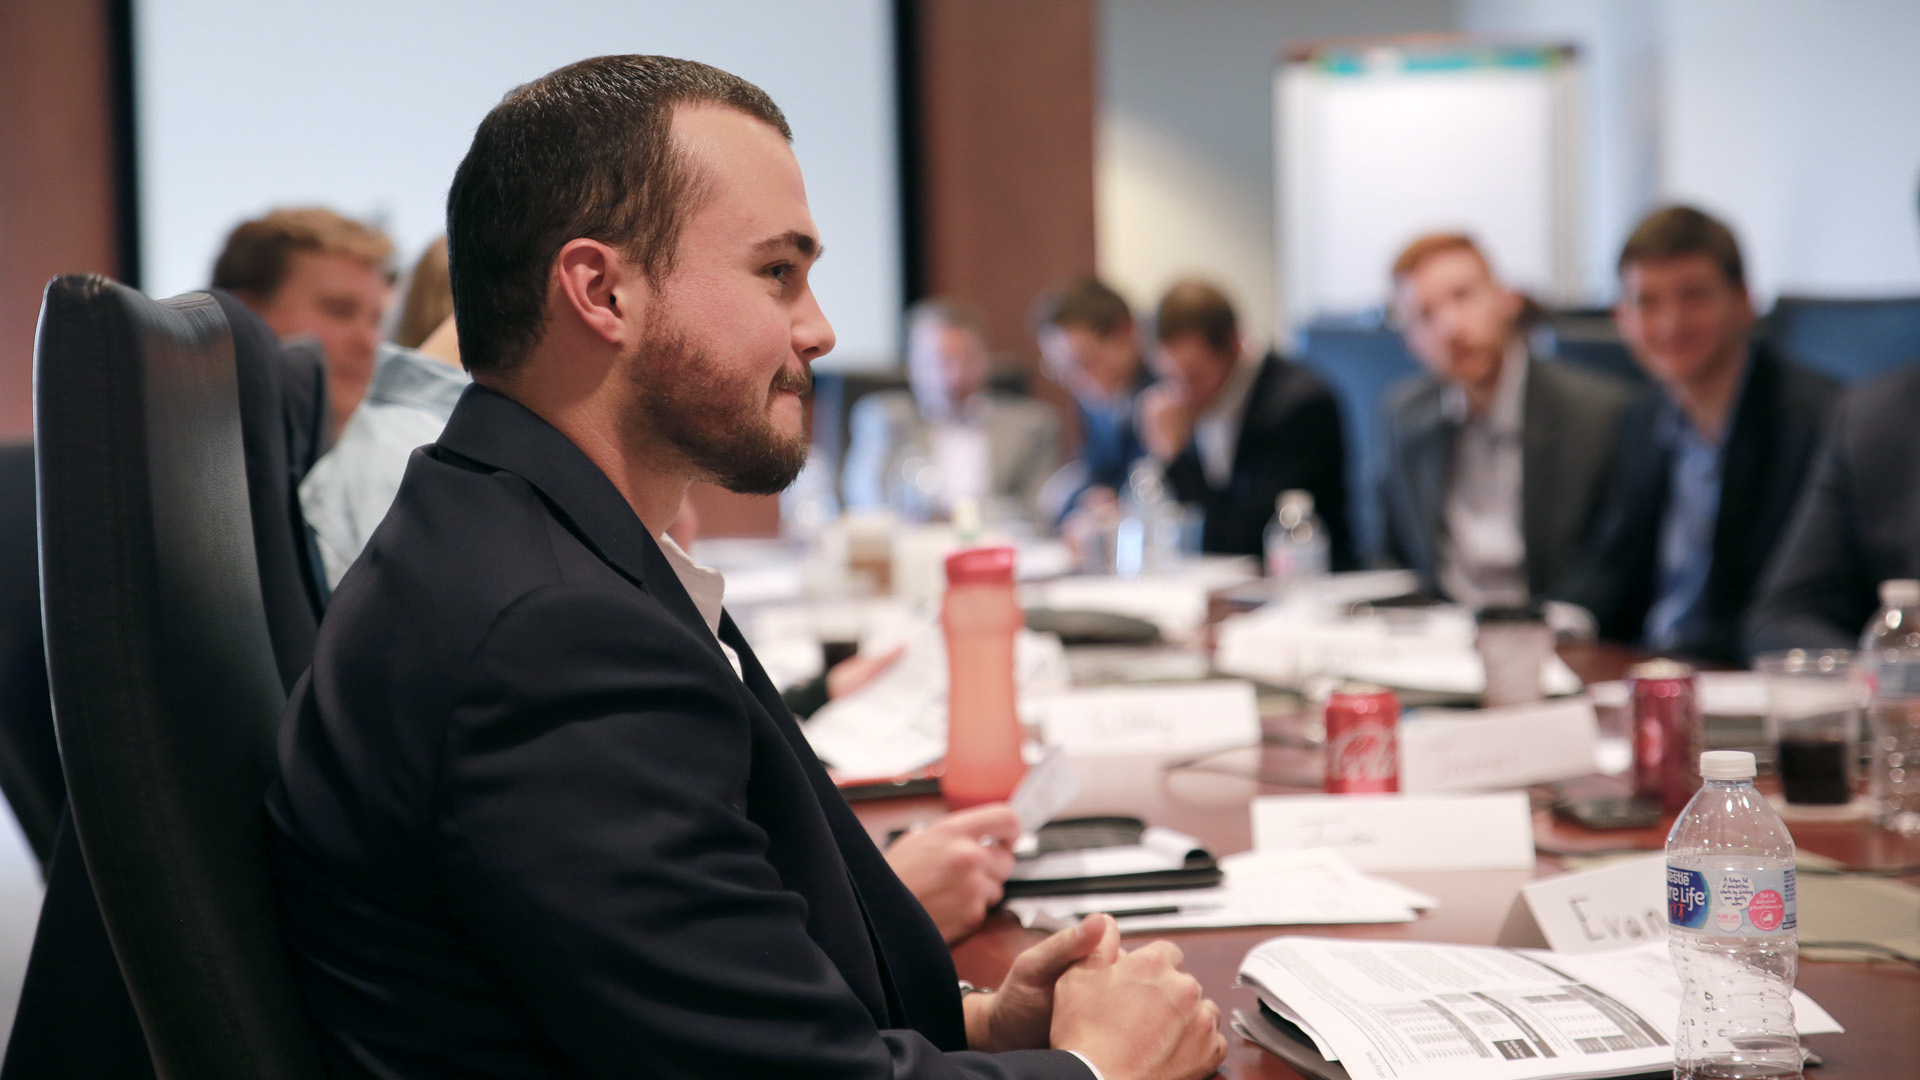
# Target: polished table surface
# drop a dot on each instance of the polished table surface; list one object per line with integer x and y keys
{"x": 1878, "y": 1002}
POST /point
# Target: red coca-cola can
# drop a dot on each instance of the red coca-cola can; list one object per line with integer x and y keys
{"x": 1667, "y": 734}
{"x": 1363, "y": 753}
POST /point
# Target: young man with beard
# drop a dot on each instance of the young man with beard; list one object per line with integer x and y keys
{"x": 539, "y": 811}
{"x": 1492, "y": 462}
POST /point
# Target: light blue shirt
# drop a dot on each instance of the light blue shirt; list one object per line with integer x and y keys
{"x": 1679, "y": 611}
{"x": 349, "y": 489}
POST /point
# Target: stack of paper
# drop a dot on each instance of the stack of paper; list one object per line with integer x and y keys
{"x": 1417, "y": 1011}
{"x": 1175, "y": 601}
{"x": 1299, "y": 640}
{"x": 1262, "y": 888}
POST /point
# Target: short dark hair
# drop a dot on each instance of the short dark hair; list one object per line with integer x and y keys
{"x": 1673, "y": 231}
{"x": 1086, "y": 302}
{"x": 585, "y": 151}
{"x": 254, "y": 260}
{"x": 1196, "y": 307}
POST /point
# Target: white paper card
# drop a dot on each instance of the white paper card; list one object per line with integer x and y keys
{"x": 1261, "y": 888}
{"x": 1049, "y": 787}
{"x": 1498, "y": 748}
{"x": 1403, "y": 832}
{"x": 1185, "y": 718}
{"x": 1610, "y": 907}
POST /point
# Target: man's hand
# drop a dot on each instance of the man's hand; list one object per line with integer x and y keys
{"x": 952, "y": 872}
{"x": 858, "y": 670}
{"x": 1166, "y": 420}
{"x": 1020, "y": 1015}
{"x": 1136, "y": 1015}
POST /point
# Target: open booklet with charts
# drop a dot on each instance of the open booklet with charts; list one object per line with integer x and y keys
{"x": 1389, "y": 1010}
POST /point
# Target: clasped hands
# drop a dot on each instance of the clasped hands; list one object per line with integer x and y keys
{"x": 1132, "y": 1014}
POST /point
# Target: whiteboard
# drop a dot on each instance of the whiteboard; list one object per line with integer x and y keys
{"x": 367, "y": 106}
{"x": 1379, "y": 146}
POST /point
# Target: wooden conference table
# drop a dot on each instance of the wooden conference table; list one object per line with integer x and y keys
{"x": 1878, "y": 1002}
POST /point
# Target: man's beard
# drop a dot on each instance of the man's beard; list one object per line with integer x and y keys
{"x": 721, "y": 428}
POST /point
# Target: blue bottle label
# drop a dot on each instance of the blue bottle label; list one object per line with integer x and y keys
{"x": 1746, "y": 903}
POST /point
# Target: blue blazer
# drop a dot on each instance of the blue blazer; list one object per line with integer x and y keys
{"x": 529, "y": 823}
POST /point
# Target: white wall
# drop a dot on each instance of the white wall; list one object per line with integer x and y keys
{"x": 1621, "y": 99}
{"x": 1184, "y": 148}
{"x": 1800, "y": 123}
{"x": 367, "y": 106}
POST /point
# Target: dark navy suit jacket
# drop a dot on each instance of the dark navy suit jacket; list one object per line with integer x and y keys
{"x": 529, "y": 823}
{"x": 1776, "y": 425}
{"x": 1857, "y": 523}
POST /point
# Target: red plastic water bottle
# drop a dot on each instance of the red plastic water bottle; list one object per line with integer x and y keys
{"x": 981, "y": 616}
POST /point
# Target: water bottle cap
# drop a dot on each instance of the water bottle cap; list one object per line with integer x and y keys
{"x": 981, "y": 566}
{"x": 1726, "y": 765}
{"x": 1900, "y": 592}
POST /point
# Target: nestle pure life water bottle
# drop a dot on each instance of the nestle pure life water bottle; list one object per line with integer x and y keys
{"x": 1730, "y": 913}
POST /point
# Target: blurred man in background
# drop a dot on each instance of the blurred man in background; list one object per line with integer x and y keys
{"x": 1493, "y": 463}
{"x": 1857, "y": 523}
{"x": 310, "y": 271}
{"x": 1711, "y": 462}
{"x": 1091, "y": 346}
{"x": 1233, "y": 430}
{"x": 416, "y": 382}
{"x": 948, "y": 439}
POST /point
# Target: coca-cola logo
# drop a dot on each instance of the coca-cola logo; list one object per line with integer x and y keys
{"x": 1362, "y": 752}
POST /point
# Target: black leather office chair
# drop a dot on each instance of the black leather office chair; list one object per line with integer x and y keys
{"x": 29, "y": 761}
{"x": 165, "y": 683}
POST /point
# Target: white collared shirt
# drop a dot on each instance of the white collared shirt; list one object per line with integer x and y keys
{"x": 706, "y": 586}
{"x": 1483, "y": 550}
{"x": 1216, "y": 433}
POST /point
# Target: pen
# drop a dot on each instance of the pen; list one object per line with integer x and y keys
{"x": 1168, "y": 909}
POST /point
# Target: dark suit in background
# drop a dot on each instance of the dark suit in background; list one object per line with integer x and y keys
{"x": 1289, "y": 438}
{"x": 1776, "y": 426}
{"x": 530, "y": 823}
{"x": 1857, "y": 523}
{"x": 1570, "y": 419}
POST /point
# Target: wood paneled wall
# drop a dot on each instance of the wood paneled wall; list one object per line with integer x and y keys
{"x": 1005, "y": 132}
{"x": 57, "y": 170}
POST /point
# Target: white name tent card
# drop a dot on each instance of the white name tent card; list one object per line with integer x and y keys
{"x": 1183, "y": 718}
{"x": 1498, "y": 748}
{"x": 1049, "y": 787}
{"x": 1403, "y": 832}
{"x": 1613, "y": 906}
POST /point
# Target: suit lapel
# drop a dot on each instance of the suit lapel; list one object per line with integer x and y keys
{"x": 1540, "y": 479}
{"x": 1428, "y": 464}
{"x": 1746, "y": 462}
{"x": 925, "y": 1000}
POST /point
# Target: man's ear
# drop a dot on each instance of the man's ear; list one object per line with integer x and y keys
{"x": 596, "y": 287}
